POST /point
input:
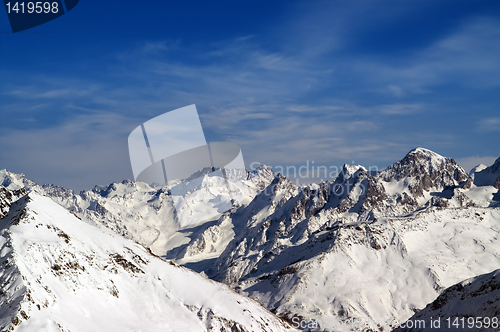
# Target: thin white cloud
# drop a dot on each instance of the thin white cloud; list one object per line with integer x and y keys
{"x": 399, "y": 109}
{"x": 281, "y": 106}
{"x": 489, "y": 124}
{"x": 80, "y": 153}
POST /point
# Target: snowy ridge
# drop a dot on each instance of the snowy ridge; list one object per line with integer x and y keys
{"x": 61, "y": 274}
{"x": 365, "y": 270}
{"x": 13, "y": 181}
{"x": 420, "y": 174}
{"x": 7, "y": 197}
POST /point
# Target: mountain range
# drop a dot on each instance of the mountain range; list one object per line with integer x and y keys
{"x": 363, "y": 252}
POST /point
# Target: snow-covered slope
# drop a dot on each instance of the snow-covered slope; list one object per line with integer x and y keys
{"x": 380, "y": 270}
{"x": 61, "y": 274}
{"x": 486, "y": 188}
{"x": 470, "y": 305}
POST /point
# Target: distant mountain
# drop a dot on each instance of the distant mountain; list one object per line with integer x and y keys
{"x": 61, "y": 274}
{"x": 490, "y": 176}
{"x": 476, "y": 169}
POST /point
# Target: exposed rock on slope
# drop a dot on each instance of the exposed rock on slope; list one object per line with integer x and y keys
{"x": 424, "y": 170}
{"x": 145, "y": 214}
{"x": 425, "y": 177}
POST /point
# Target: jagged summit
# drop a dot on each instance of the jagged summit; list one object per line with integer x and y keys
{"x": 14, "y": 181}
{"x": 425, "y": 170}
{"x": 420, "y": 160}
{"x": 496, "y": 166}
{"x": 349, "y": 170}
{"x": 365, "y": 245}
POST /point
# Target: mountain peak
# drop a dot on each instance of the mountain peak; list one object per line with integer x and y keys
{"x": 496, "y": 166}
{"x": 349, "y": 170}
{"x": 426, "y": 153}
{"x": 425, "y": 170}
{"x": 13, "y": 181}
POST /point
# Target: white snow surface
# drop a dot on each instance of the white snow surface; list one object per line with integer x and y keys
{"x": 377, "y": 249}
{"x": 378, "y": 271}
{"x": 61, "y": 274}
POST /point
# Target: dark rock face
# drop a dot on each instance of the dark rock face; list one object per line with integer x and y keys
{"x": 375, "y": 195}
{"x": 497, "y": 183}
{"x": 7, "y": 197}
{"x": 319, "y": 217}
{"x": 495, "y": 168}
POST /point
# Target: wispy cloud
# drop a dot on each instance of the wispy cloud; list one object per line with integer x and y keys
{"x": 489, "y": 124}
{"x": 399, "y": 109}
{"x": 79, "y": 153}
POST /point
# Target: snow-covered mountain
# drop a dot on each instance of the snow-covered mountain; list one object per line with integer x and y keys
{"x": 476, "y": 169}
{"x": 61, "y": 274}
{"x": 145, "y": 213}
{"x": 424, "y": 176}
{"x": 489, "y": 176}
{"x": 470, "y": 305}
{"x": 363, "y": 247}
{"x": 337, "y": 256}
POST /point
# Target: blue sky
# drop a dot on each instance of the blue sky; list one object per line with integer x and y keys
{"x": 289, "y": 81}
